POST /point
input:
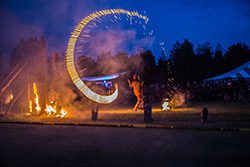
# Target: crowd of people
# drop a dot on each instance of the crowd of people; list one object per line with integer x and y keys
{"x": 222, "y": 90}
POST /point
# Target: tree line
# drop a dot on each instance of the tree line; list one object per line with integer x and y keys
{"x": 189, "y": 65}
{"x": 183, "y": 64}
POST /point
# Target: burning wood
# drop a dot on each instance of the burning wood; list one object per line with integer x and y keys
{"x": 51, "y": 110}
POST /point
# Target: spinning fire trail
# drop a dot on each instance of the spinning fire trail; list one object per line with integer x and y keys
{"x": 70, "y": 53}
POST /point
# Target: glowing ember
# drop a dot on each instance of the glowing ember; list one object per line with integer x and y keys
{"x": 9, "y": 98}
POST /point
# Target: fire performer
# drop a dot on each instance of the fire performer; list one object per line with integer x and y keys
{"x": 137, "y": 85}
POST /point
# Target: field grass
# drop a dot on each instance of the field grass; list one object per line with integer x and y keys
{"x": 232, "y": 115}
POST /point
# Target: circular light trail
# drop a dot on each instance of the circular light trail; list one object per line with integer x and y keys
{"x": 103, "y": 99}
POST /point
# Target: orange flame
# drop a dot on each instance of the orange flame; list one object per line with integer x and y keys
{"x": 9, "y": 98}
{"x": 36, "y": 100}
{"x": 52, "y": 110}
{"x": 34, "y": 104}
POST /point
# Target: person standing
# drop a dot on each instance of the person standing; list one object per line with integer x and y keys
{"x": 137, "y": 85}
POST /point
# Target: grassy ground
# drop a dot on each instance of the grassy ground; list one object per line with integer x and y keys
{"x": 35, "y": 145}
{"x": 230, "y": 115}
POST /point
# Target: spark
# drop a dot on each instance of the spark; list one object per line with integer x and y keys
{"x": 71, "y": 48}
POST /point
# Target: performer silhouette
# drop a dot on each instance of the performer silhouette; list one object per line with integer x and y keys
{"x": 137, "y": 84}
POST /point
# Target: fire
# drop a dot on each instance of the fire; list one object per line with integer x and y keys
{"x": 34, "y": 104}
{"x": 63, "y": 112}
{"x": 36, "y": 100}
{"x": 165, "y": 105}
{"x": 51, "y": 110}
{"x": 177, "y": 100}
{"x": 30, "y": 107}
{"x": 9, "y": 98}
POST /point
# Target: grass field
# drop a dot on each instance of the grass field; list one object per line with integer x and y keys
{"x": 99, "y": 145}
{"x": 233, "y": 115}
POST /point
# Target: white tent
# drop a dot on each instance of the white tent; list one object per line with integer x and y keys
{"x": 241, "y": 72}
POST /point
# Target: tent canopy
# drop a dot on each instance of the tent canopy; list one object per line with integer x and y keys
{"x": 241, "y": 72}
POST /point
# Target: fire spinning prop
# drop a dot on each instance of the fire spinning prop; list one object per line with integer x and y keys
{"x": 70, "y": 54}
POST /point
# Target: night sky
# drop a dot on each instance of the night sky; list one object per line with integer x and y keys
{"x": 216, "y": 21}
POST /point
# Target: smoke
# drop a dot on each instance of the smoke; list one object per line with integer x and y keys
{"x": 178, "y": 99}
{"x": 35, "y": 19}
{"x": 60, "y": 83}
{"x": 12, "y": 30}
{"x": 118, "y": 40}
{"x": 112, "y": 42}
{"x": 105, "y": 48}
{"x": 115, "y": 51}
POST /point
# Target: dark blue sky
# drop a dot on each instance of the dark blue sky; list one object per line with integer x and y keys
{"x": 215, "y": 21}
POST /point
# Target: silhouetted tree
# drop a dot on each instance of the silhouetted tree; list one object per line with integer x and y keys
{"x": 219, "y": 61}
{"x": 32, "y": 51}
{"x": 42, "y": 42}
{"x": 162, "y": 70}
{"x": 148, "y": 64}
{"x": 170, "y": 77}
{"x": 204, "y": 63}
{"x": 236, "y": 55}
{"x": 182, "y": 55}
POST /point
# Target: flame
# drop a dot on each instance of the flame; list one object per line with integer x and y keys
{"x": 165, "y": 105}
{"x": 9, "y": 98}
{"x": 30, "y": 107}
{"x": 63, "y": 112}
{"x": 52, "y": 110}
{"x": 34, "y": 104}
{"x": 36, "y": 100}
